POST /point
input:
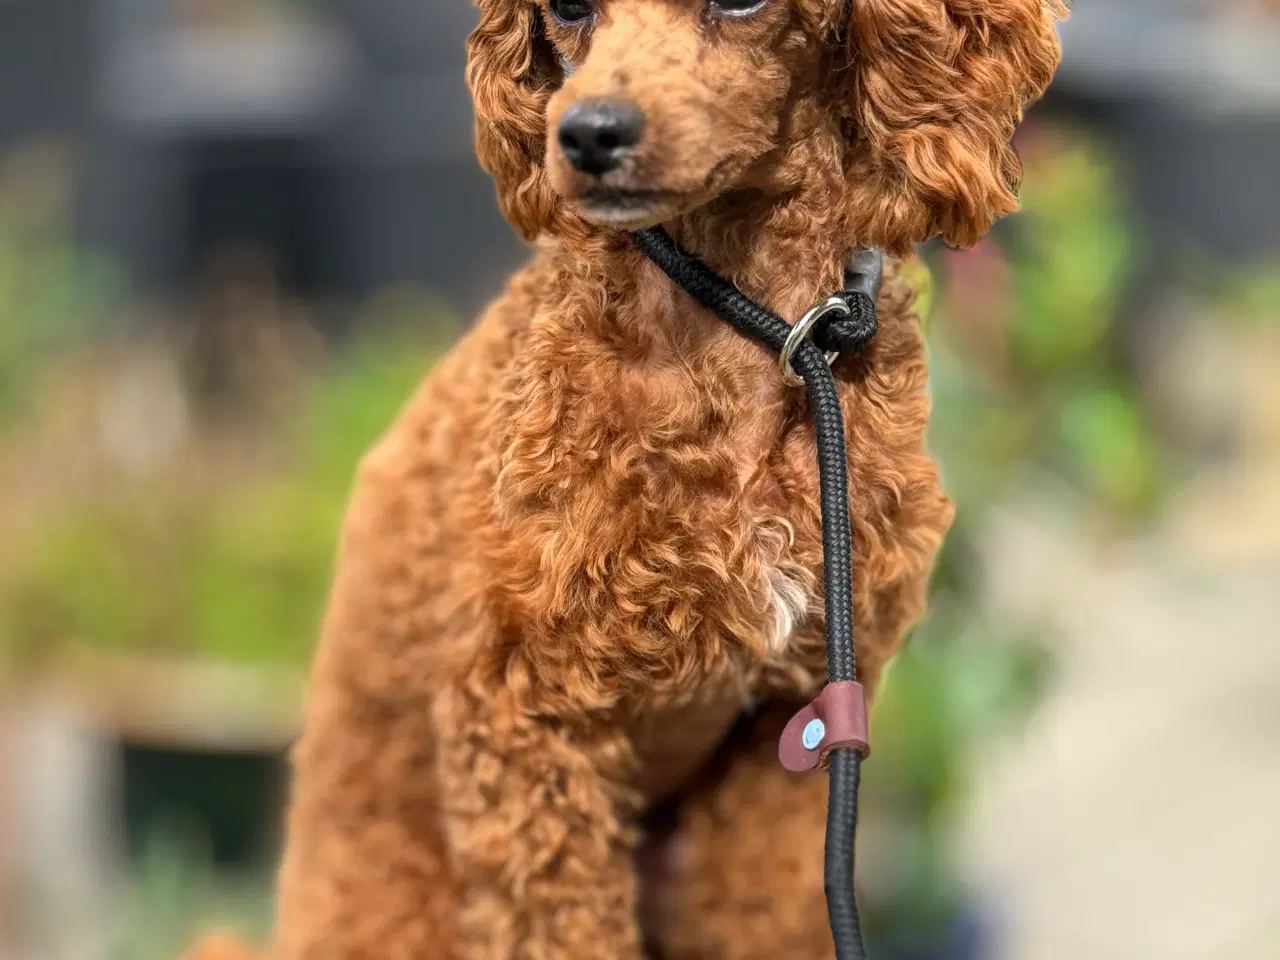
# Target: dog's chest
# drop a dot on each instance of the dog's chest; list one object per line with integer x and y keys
{"x": 654, "y": 533}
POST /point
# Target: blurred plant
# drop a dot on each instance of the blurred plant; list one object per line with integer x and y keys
{"x": 1251, "y": 296}
{"x": 1023, "y": 371}
{"x": 224, "y": 564}
{"x": 49, "y": 289}
{"x": 1025, "y": 389}
{"x": 174, "y": 895}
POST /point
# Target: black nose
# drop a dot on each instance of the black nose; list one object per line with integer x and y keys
{"x": 594, "y": 134}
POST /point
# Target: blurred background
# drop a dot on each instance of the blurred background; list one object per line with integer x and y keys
{"x": 235, "y": 233}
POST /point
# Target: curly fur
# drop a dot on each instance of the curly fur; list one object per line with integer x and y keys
{"x": 590, "y": 547}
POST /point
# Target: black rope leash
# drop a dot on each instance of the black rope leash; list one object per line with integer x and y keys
{"x": 835, "y": 725}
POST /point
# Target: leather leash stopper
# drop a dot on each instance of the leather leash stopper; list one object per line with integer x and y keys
{"x": 836, "y": 719}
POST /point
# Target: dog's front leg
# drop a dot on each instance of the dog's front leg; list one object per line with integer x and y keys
{"x": 538, "y": 830}
{"x": 740, "y": 875}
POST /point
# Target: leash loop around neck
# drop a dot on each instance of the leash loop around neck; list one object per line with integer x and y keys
{"x": 842, "y": 748}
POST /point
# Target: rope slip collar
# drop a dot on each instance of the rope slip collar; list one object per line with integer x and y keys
{"x": 832, "y": 730}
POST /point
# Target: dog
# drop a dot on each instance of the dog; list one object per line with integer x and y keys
{"x": 579, "y": 586}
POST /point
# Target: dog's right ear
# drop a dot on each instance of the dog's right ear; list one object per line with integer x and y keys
{"x": 512, "y": 71}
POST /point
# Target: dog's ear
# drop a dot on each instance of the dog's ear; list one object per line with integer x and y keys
{"x": 936, "y": 89}
{"x": 512, "y": 71}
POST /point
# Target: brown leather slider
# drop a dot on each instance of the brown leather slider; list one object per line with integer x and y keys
{"x": 837, "y": 718}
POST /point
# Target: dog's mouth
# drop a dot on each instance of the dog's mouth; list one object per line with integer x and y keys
{"x": 632, "y": 209}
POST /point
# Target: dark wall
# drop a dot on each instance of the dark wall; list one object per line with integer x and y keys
{"x": 46, "y": 67}
{"x": 368, "y": 181}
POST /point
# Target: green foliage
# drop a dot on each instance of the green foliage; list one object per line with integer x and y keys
{"x": 1068, "y": 259}
{"x": 1251, "y": 296}
{"x": 1106, "y": 447}
{"x": 961, "y": 682}
{"x": 174, "y": 895}
{"x": 233, "y": 571}
{"x": 49, "y": 289}
{"x": 1043, "y": 394}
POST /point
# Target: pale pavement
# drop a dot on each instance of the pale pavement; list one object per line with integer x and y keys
{"x": 1137, "y": 817}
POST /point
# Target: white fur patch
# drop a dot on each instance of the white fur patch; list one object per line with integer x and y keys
{"x": 789, "y": 602}
{"x": 786, "y": 586}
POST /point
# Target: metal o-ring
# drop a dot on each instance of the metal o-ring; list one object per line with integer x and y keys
{"x": 801, "y": 330}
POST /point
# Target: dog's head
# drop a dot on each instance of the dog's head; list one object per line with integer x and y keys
{"x": 627, "y": 113}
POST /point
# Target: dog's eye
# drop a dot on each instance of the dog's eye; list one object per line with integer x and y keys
{"x": 737, "y": 8}
{"x": 570, "y": 11}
